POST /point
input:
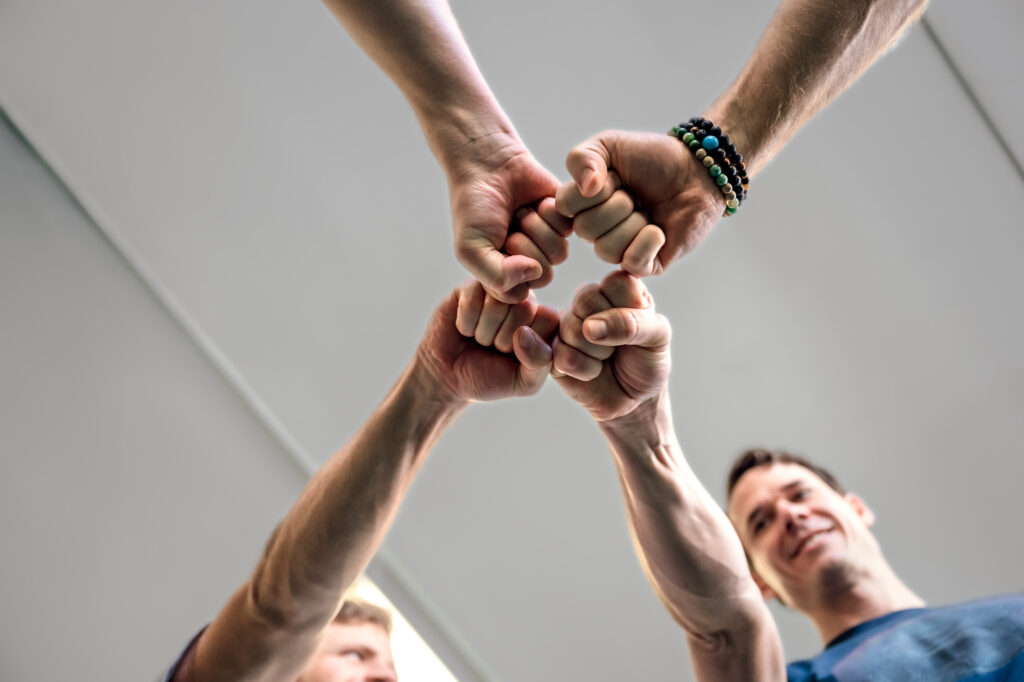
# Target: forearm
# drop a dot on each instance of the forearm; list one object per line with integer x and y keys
{"x": 418, "y": 44}
{"x": 809, "y": 53}
{"x": 270, "y": 626}
{"x": 332, "y": 531}
{"x": 686, "y": 544}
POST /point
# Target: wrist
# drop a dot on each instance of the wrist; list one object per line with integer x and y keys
{"x": 467, "y": 138}
{"x": 744, "y": 127}
{"x": 427, "y": 396}
{"x": 648, "y": 425}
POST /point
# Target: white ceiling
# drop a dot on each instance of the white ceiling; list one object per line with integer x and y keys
{"x": 271, "y": 187}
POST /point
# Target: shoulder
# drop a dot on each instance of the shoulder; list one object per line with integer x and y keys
{"x": 178, "y": 672}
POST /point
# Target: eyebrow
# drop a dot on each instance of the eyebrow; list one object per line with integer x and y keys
{"x": 795, "y": 483}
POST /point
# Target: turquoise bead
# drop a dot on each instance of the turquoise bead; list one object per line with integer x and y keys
{"x": 721, "y": 180}
{"x": 710, "y": 142}
{"x": 687, "y": 137}
{"x": 715, "y": 171}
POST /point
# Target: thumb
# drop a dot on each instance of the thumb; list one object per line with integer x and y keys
{"x": 534, "y": 355}
{"x": 628, "y": 327}
{"x": 500, "y": 274}
{"x": 589, "y": 162}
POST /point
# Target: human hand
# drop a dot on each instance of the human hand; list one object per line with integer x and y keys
{"x": 478, "y": 348}
{"x": 612, "y": 350}
{"x": 508, "y": 233}
{"x": 642, "y": 198}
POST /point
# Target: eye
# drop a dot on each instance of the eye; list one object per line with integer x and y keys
{"x": 801, "y": 494}
{"x": 353, "y": 654}
{"x": 760, "y": 525}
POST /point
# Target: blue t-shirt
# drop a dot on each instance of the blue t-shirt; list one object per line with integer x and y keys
{"x": 980, "y": 641}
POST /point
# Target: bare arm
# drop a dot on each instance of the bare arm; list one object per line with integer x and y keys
{"x": 418, "y": 44}
{"x": 491, "y": 174}
{"x": 691, "y": 553}
{"x": 810, "y": 52}
{"x": 271, "y": 625}
{"x": 612, "y": 357}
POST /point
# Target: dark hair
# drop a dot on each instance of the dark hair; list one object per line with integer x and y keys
{"x": 354, "y": 611}
{"x": 759, "y": 457}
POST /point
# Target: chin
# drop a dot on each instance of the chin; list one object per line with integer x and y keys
{"x": 836, "y": 575}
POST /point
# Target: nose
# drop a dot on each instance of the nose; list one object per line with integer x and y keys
{"x": 794, "y": 514}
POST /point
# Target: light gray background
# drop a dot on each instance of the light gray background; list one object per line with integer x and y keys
{"x": 238, "y": 235}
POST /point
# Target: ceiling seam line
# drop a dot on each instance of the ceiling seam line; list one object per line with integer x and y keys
{"x": 290, "y": 446}
{"x": 972, "y": 96}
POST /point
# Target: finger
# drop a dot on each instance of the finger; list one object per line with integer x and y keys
{"x": 639, "y": 258}
{"x": 567, "y": 361}
{"x": 596, "y": 221}
{"x": 493, "y": 314}
{"x": 519, "y": 315}
{"x": 534, "y": 355}
{"x": 471, "y": 303}
{"x": 545, "y": 323}
{"x": 629, "y": 327}
{"x": 548, "y": 210}
{"x": 520, "y": 244}
{"x": 625, "y": 291}
{"x": 588, "y": 163}
{"x": 611, "y": 246}
{"x": 554, "y": 245}
{"x": 589, "y": 300}
{"x": 500, "y": 274}
{"x": 569, "y": 201}
{"x": 570, "y": 331}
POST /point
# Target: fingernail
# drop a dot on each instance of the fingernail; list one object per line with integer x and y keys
{"x": 527, "y": 340}
{"x": 585, "y": 176}
{"x": 533, "y": 272}
{"x": 596, "y": 329}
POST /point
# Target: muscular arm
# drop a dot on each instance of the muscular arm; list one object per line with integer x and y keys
{"x": 612, "y": 357}
{"x": 417, "y": 43}
{"x": 490, "y": 172}
{"x": 691, "y": 553}
{"x": 270, "y": 626}
{"x": 809, "y": 53}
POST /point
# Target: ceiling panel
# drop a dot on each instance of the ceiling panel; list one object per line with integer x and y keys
{"x": 276, "y": 184}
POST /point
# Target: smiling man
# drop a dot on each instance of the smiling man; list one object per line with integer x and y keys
{"x": 792, "y": 533}
{"x": 810, "y": 545}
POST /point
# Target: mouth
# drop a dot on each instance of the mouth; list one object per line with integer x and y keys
{"x": 806, "y": 540}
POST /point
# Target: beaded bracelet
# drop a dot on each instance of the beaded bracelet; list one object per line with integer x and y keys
{"x": 701, "y": 128}
{"x": 718, "y": 154}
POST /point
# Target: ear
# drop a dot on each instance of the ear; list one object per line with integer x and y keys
{"x": 767, "y": 592}
{"x": 861, "y": 508}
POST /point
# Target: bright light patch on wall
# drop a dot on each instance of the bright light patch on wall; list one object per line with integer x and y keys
{"x": 414, "y": 660}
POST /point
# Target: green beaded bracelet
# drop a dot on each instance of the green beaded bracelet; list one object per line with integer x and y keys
{"x": 733, "y": 195}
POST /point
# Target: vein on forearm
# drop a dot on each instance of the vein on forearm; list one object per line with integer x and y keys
{"x": 329, "y": 536}
{"x": 686, "y": 545}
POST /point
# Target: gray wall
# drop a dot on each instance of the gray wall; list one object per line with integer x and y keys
{"x": 258, "y": 235}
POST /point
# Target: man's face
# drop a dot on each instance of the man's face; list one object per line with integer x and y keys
{"x": 804, "y": 539}
{"x": 352, "y": 652}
